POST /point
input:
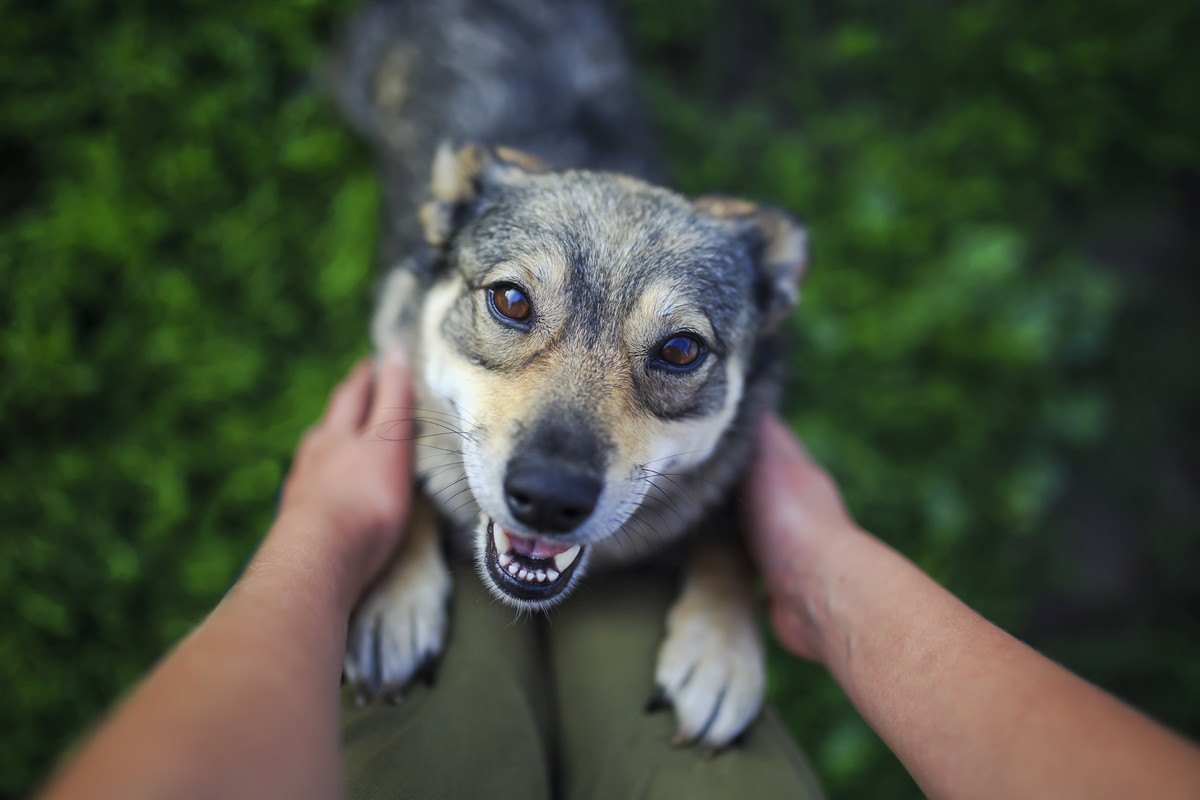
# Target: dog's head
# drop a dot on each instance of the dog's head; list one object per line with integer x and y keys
{"x": 594, "y": 332}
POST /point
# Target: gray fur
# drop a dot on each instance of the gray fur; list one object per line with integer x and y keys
{"x": 551, "y": 78}
{"x": 616, "y": 239}
{"x": 567, "y": 429}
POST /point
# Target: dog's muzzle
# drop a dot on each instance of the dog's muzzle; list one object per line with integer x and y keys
{"x": 529, "y": 569}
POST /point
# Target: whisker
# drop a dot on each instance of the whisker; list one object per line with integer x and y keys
{"x": 466, "y": 434}
{"x": 664, "y": 502}
{"x": 677, "y": 455}
{"x": 427, "y": 411}
{"x": 617, "y": 539}
{"x": 416, "y": 438}
{"x": 457, "y": 455}
{"x": 447, "y": 486}
{"x": 655, "y": 511}
{"x": 458, "y": 494}
{"x": 684, "y": 491}
{"x": 646, "y": 531}
{"x": 433, "y": 472}
{"x": 416, "y": 443}
{"x": 449, "y": 402}
{"x": 692, "y": 476}
{"x": 671, "y": 476}
{"x": 624, "y": 533}
{"x": 461, "y": 506}
{"x": 449, "y": 430}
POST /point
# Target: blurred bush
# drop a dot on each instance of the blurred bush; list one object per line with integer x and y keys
{"x": 996, "y": 354}
{"x": 996, "y": 350}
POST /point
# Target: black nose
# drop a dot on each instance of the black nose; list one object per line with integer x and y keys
{"x": 550, "y": 496}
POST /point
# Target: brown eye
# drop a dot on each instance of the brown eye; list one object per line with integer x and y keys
{"x": 681, "y": 352}
{"x": 509, "y": 302}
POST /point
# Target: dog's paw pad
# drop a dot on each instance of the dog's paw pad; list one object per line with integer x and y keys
{"x": 396, "y": 637}
{"x": 711, "y": 671}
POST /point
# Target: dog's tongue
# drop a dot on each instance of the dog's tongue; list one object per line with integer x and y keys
{"x": 536, "y": 548}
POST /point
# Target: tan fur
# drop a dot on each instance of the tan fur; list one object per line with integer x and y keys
{"x": 454, "y": 171}
{"x": 482, "y": 385}
{"x": 615, "y": 267}
{"x": 711, "y": 661}
{"x": 526, "y": 161}
{"x": 391, "y": 82}
{"x": 498, "y": 404}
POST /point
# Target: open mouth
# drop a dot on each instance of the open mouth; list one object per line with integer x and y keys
{"x": 528, "y": 568}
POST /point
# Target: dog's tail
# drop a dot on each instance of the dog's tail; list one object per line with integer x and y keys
{"x": 550, "y": 77}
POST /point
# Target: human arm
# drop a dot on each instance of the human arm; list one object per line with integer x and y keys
{"x": 969, "y": 710}
{"x": 247, "y": 704}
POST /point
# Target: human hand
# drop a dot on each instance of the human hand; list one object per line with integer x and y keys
{"x": 794, "y": 518}
{"x": 350, "y": 487}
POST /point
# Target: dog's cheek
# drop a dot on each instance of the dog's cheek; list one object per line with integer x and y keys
{"x": 442, "y": 367}
{"x": 497, "y": 406}
{"x": 470, "y": 390}
{"x": 686, "y": 443}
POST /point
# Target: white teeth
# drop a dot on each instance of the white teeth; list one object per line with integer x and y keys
{"x": 500, "y": 539}
{"x": 509, "y": 563}
{"x": 566, "y": 558}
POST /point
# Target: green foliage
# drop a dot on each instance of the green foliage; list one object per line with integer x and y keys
{"x": 187, "y": 251}
{"x": 994, "y": 354}
{"x": 986, "y": 186}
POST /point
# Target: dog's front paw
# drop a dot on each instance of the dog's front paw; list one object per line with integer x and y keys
{"x": 398, "y": 632}
{"x": 711, "y": 670}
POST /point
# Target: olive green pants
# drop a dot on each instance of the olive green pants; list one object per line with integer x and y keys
{"x": 553, "y": 707}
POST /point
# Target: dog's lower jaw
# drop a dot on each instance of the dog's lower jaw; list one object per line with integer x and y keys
{"x": 531, "y": 580}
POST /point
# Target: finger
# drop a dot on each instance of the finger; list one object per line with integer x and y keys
{"x": 776, "y": 442}
{"x": 782, "y": 458}
{"x": 777, "y": 475}
{"x": 391, "y": 406}
{"x": 307, "y": 443}
{"x": 786, "y": 486}
{"x": 348, "y": 403}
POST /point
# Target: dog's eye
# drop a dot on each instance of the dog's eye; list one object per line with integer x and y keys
{"x": 509, "y": 302}
{"x": 681, "y": 351}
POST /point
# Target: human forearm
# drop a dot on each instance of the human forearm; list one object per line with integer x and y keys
{"x": 245, "y": 706}
{"x": 969, "y": 710}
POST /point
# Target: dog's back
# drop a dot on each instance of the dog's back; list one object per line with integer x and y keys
{"x": 548, "y": 77}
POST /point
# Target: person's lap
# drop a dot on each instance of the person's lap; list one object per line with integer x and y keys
{"x": 530, "y": 708}
{"x": 485, "y": 724}
{"x": 603, "y": 648}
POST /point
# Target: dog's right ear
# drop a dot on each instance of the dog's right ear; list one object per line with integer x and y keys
{"x": 777, "y": 242}
{"x": 462, "y": 181}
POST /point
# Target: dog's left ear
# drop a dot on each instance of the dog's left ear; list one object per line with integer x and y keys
{"x": 777, "y": 242}
{"x": 462, "y": 181}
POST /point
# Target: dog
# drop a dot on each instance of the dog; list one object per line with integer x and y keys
{"x": 591, "y": 351}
